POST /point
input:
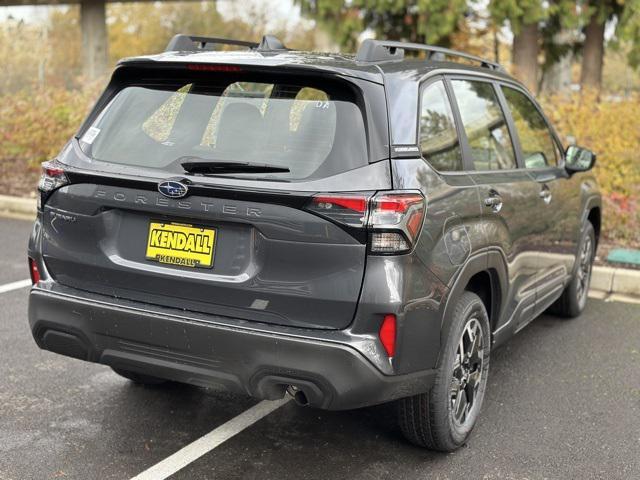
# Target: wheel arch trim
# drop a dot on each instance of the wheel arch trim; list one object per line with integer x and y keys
{"x": 491, "y": 261}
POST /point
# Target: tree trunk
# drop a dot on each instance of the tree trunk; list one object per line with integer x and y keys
{"x": 557, "y": 79}
{"x": 526, "y": 45}
{"x": 593, "y": 54}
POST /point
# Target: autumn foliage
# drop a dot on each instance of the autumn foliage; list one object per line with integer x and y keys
{"x": 37, "y": 123}
{"x": 609, "y": 128}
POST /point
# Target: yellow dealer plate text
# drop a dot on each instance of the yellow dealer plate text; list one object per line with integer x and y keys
{"x": 179, "y": 244}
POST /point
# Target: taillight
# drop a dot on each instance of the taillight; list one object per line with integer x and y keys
{"x": 395, "y": 221}
{"x": 33, "y": 271}
{"x": 393, "y": 218}
{"x": 387, "y": 334}
{"x": 52, "y": 177}
{"x": 348, "y": 209}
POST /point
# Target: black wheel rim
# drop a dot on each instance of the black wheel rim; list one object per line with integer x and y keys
{"x": 584, "y": 269}
{"x": 467, "y": 372}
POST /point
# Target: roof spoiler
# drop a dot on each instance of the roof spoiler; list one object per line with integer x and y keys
{"x": 193, "y": 43}
{"x": 375, "y": 51}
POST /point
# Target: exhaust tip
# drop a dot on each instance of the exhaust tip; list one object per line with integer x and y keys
{"x": 298, "y": 395}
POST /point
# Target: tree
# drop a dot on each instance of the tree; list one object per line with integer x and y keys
{"x": 560, "y": 40}
{"x": 624, "y": 15}
{"x": 630, "y": 30}
{"x": 593, "y": 49}
{"x": 421, "y": 21}
{"x": 524, "y": 17}
{"x": 145, "y": 28}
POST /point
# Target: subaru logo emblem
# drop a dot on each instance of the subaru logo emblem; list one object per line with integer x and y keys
{"x": 172, "y": 189}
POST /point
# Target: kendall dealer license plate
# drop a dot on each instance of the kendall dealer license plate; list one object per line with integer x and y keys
{"x": 180, "y": 244}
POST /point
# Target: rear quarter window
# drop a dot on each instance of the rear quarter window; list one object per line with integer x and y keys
{"x": 439, "y": 141}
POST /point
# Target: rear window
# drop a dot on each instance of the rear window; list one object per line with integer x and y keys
{"x": 314, "y": 131}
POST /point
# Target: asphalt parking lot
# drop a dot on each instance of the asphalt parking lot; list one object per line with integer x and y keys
{"x": 563, "y": 402}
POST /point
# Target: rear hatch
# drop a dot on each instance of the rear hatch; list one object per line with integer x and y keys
{"x": 199, "y": 189}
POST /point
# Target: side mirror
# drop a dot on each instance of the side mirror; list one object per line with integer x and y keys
{"x": 579, "y": 159}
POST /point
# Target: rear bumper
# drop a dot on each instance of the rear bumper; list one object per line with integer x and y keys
{"x": 169, "y": 344}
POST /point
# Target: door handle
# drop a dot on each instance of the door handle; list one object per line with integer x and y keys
{"x": 494, "y": 202}
{"x": 545, "y": 194}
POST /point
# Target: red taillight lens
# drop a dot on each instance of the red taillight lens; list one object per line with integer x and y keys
{"x": 398, "y": 216}
{"x": 33, "y": 271}
{"x": 348, "y": 209}
{"x": 395, "y": 208}
{"x": 394, "y": 218}
{"x": 356, "y": 203}
{"x": 52, "y": 177}
{"x": 52, "y": 171}
{"x": 387, "y": 334}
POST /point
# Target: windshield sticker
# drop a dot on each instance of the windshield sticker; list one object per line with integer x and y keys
{"x": 90, "y": 135}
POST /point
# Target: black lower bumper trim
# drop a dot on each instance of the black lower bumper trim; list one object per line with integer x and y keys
{"x": 331, "y": 375}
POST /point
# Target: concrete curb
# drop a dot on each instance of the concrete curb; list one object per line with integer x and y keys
{"x": 616, "y": 280}
{"x": 608, "y": 280}
{"x": 16, "y": 206}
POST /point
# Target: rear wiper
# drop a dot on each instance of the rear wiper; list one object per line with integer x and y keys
{"x": 220, "y": 167}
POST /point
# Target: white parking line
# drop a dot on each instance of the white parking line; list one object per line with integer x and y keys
{"x": 211, "y": 440}
{"x": 7, "y": 287}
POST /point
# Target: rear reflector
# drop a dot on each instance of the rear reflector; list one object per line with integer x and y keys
{"x": 33, "y": 271}
{"x": 387, "y": 334}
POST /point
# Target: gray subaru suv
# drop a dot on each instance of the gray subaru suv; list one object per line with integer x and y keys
{"x": 350, "y": 230}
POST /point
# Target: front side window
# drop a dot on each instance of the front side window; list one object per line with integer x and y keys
{"x": 305, "y": 131}
{"x": 438, "y": 136}
{"x": 538, "y": 147}
{"x": 484, "y": 125}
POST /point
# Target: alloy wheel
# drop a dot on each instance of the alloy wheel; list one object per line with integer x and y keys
{"x": 584, "y": 269}
{"x": 467, "y": 372}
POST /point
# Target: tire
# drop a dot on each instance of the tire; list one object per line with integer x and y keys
{"x": 139, "y": 378}
{"x": 430, "y": 419}
{"x": 574, "y": 298}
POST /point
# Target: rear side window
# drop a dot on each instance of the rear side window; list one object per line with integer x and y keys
{"x": 538, "y": 147}
{"x": 438, "y": 136}
{"x": 313, "y": 131}
{"x": 484, "y": 125}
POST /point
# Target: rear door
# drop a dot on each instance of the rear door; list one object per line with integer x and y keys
{"x": 558, "y": 204}
{"x": 140, "y": 221}
{"x": 508, "y": 194}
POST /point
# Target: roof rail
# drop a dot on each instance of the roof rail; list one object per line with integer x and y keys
{"x": 192, "y": 43}
{"x": 387, "y": 50}
{"x": 271, "y": 42}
